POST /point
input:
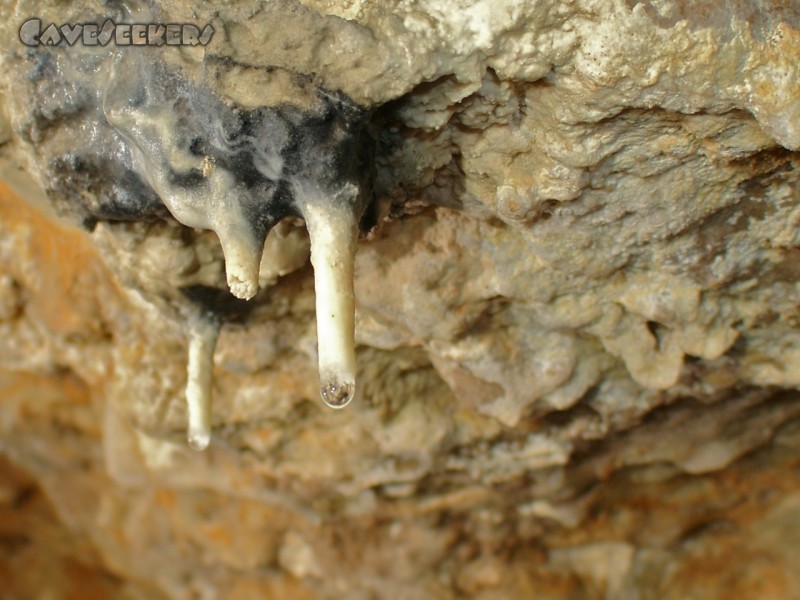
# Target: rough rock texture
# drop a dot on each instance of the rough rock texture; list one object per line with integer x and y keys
{"x": 577, "y": 312}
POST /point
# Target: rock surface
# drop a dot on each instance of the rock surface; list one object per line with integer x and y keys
{"x": 577, "y": 312}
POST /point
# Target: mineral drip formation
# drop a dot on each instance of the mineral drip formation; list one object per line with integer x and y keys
{"x": 173, "y": 143}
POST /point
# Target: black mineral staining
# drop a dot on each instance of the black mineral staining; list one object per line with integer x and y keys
{"x": 217, "y": 303}
{"x": 265, "y": 150}
{"x": 89, "y": 187}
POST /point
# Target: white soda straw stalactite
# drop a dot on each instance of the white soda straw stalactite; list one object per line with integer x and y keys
{"x": 333, "y": 229}
{"x": 203, "y": 336}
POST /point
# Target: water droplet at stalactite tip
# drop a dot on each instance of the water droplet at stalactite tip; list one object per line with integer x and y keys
{"x": 337, "y": 394}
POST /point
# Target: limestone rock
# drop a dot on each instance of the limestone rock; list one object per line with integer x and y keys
{"x": 575, "y": 286}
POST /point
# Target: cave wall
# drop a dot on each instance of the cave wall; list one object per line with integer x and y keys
{"x": 576, "y": 297}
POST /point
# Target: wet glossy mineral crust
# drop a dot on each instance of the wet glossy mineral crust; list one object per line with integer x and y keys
{"x": 576, "y": 287}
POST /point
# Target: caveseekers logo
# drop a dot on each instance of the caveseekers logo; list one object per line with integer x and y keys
{"x": 121, "y": 34}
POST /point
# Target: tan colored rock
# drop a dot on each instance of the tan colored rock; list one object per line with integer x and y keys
{"x": 576, "y": 316}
